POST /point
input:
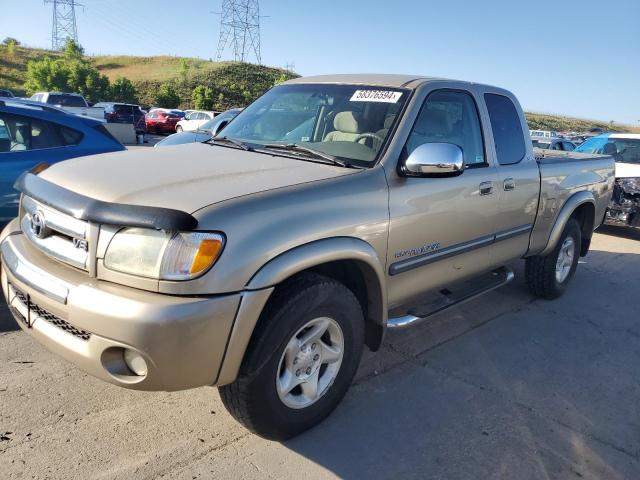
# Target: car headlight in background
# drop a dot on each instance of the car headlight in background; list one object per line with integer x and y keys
{"x": 630, "y": 185}
{"x": 163, "y": 255}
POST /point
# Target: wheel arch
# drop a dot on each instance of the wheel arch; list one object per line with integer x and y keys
{"x": 349, "y": 260}
{"x": 580, "y": 206}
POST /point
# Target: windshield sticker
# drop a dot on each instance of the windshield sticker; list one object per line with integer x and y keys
{"x": 385, "y": 96}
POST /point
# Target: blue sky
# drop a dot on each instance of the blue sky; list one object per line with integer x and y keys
{"x": 573, "y": 57}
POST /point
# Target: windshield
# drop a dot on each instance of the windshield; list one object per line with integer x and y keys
{"x": 349, "y": 122}
{"x": 622, "y": 149}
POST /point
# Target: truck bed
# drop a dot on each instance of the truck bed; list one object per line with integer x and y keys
{"x": 561, "y": 175}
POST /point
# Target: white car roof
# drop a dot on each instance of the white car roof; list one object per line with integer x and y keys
{"x": 625, "y": 135}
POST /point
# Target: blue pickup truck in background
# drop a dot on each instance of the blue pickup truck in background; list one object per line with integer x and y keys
{"x": 32, "y": 133}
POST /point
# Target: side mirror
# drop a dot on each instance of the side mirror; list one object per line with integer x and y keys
{"x": 219, "y": 127}
{"x": 434, "y": 160}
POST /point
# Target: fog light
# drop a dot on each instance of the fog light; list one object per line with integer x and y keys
{"x": 135, "y": 362}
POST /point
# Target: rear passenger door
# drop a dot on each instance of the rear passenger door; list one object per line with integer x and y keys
{"x": 518, "y": 184}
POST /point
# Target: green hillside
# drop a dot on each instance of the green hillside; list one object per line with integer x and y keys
{"x": 233, "y": 83}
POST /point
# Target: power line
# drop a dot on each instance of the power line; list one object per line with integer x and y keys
{"x": 63, "y": 25}
{"x": 240, "y": 27}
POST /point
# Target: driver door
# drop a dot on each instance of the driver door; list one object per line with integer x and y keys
{"x": 441, "y": 229}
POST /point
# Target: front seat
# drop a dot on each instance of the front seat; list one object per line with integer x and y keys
{"x": 347, "y": 128}
{"x": 21, "y": 138}
{"x": 388, "y": 121}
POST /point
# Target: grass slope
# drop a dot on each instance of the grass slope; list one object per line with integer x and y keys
{"x": 233, "y": 83}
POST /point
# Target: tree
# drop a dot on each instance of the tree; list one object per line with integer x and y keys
{"x": 73, "y": 50}
{"x": 67, "y": 75}
{"x": 11, "y": 44}
{"x": 183, "y": 70}
{"x": 167, "y": 96}
{"x": 202, "y": 98}
{"x": 123, "y": 90}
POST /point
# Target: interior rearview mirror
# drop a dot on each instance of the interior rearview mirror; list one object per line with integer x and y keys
{"x": 434, "y": 160}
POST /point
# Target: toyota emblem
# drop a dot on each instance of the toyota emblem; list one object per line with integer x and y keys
{"x": 38, "y": 224}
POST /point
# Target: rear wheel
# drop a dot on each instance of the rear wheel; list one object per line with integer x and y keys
{"x": 301, "y": 359}
{"x": 548, "y": 276}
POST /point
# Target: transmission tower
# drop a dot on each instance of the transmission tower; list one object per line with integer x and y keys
{"x": 240, "y": 27}
{"x": 64, "y": 22}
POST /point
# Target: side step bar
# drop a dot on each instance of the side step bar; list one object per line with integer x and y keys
{"x": 447, "y": 298}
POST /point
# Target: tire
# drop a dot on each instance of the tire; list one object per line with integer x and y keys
{"x": 178, "y": 129}
{"x": 254, "y": 400}
{"x": 545, "y": 278}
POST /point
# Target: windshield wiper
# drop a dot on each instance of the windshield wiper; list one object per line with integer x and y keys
{"x": 294, "y": 147}
{"x": 232, "y": 141}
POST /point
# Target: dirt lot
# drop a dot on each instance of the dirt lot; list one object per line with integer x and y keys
{"x": 502, "y": 387}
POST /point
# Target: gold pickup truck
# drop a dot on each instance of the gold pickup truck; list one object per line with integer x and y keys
{"x": 264, "y": 260}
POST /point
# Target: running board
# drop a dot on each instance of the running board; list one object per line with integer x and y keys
{"x": 447, "y": 298}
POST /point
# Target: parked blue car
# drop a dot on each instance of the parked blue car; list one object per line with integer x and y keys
{"x": 33, "y": 133}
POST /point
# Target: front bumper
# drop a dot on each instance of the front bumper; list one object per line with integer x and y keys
{"x": 90, "y": 322}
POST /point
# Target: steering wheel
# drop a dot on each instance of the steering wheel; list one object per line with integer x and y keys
{"x": 377, "y": 139}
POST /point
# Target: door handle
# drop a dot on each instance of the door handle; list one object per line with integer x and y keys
{"x": 486, "y": 188}
{"x": 509, "y": 184}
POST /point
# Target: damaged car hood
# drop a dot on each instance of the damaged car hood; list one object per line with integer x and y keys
{"x": 184, "y": 177}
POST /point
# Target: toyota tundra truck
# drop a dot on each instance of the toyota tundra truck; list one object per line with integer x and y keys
{"x": 264, "y": 260}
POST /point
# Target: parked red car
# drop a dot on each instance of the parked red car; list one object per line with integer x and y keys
{"x": 161, "y": 121}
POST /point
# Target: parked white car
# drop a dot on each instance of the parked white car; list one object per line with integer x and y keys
{"x": 70, "y": 102}
{"x": 543, "y": 133}
{"x": 193, "y": 120}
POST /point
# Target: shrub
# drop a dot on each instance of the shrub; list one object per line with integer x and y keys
{"x": 202, "y": 98}
{"x": 167, "y": 96}
{"x": 122, "y": 90}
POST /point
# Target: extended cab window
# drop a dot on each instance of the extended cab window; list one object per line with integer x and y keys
{"x": 507, "y": 130}
{"x": 450, "y": 117}
{"x": 19, "y": 133}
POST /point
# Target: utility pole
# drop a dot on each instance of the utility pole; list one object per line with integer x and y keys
{"x": 63, "y": 25}
{"x": 240, "y": 27}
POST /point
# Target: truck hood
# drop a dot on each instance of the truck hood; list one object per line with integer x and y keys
{"x": 627, "y": 170}
{"x": 183, "y": 177}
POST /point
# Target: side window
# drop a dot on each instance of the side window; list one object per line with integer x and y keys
{"x": 507, "y": 130}
{"x": 450, "y": 117}
{"x": 21, "y": 133}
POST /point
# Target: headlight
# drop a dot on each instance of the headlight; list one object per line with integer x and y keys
{"x": 630, "y": 185}
{"x": 162, "y": 255}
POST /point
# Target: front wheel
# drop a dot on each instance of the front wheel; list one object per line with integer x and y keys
{"x": 548, "y": 276}
{"x": 178, "y": 129}
{"x": 301, "y": 359}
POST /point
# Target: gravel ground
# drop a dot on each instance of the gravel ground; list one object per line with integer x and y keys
{"x": 501, "y": 387}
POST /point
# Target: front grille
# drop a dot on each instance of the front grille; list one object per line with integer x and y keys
{"x": 58, "y": 235}
{"x": 42, "y": 314}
